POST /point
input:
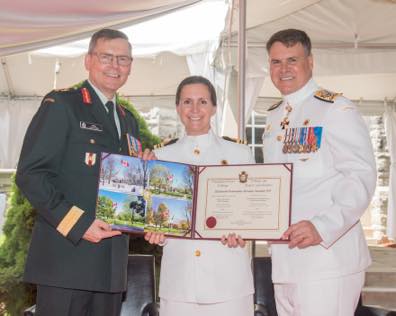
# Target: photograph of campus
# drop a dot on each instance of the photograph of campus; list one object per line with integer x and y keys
{"x": 136, "y": 195}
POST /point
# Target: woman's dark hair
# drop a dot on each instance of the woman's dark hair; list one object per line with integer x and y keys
{"x": 195, "y": 80}
{"x": 291, "y": 37}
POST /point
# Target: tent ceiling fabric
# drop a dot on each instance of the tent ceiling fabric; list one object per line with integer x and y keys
{"x": 28, "y": 25}
{"x": 338, "y": 24}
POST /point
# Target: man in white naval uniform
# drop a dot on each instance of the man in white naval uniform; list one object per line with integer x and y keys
{"x": 202, "y": 277}
{"x": 320, "y": 271}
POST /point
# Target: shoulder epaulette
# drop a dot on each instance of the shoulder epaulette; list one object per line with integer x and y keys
{"x": 326, "y": 95}
{"x": 274, "y": 106}
{"x": 166, "y": 143}
{"x": 235, "y": 140}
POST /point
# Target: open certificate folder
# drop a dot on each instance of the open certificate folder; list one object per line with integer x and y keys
{"x": 197, "y": 202}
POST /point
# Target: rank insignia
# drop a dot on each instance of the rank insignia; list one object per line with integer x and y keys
{"x": 86, "y": 96}
{"x": 90, "y": 159}
{"x": 326, "y": 95}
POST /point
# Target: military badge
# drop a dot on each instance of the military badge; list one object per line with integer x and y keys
{"x": 90, "y": 159}
{"x": 91, "y": 126}
{"x": 243, "y": 177}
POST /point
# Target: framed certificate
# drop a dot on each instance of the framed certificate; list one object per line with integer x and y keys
{"x": 196, "y": 202}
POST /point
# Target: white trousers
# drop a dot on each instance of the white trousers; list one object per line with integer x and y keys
{"x": 332, "y": 297}
{"x": 237, "y": 307}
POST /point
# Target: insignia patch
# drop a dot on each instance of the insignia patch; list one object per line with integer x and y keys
{"x": 91, "y": 126}
{"x": 90, "y": 159}
{"x": 86, "y": 96}
{"x": 326, "y": 95}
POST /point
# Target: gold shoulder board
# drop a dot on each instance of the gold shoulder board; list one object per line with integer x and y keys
{"x": 235, "y": 140}
{"x": 166, "y": 143}
{"x": 326, "y": 95}
{"x": 274, "y": 106}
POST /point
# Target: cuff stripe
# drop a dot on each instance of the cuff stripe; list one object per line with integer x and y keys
{"x": 69, "y": 220}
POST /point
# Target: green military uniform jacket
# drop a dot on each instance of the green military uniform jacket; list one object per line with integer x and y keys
{"x": 58, "y": 173}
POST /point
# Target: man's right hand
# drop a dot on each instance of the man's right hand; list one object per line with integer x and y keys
{"x": 99, "y": 230}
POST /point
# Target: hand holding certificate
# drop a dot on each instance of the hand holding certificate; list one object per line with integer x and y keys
{"x": 197, "y": 202}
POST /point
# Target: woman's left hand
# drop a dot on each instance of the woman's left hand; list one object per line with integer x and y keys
{"x": 233, "y": 241}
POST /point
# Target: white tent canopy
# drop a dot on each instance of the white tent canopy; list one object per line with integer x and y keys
{"x": 28, "y": 25}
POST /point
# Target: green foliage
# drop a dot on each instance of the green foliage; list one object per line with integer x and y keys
{"x": 15, "y": 295}
{"x": 17, "y": 230}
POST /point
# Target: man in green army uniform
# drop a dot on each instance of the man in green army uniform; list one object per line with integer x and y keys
{"x": 78, "y": 263}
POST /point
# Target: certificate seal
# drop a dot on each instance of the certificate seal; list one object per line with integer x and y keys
{"x": 211, "y": 222}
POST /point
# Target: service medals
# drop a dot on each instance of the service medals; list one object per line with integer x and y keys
{"x": 285, "y": 121}
{"x": 299, "y": 140}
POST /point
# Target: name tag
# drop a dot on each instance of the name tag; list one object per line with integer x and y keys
{"x": 91, "y": 126}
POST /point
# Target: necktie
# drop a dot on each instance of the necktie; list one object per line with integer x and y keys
{"x": 110, "y": 106}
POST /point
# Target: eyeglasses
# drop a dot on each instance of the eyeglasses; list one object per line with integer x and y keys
{"x": 107, "y": 59}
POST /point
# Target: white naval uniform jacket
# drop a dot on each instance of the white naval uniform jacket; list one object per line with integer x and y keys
{"x": 332, "y": 187}
{"x": 219, "y": 273}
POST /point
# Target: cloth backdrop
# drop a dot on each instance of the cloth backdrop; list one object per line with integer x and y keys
{"x": 390, "y": 130}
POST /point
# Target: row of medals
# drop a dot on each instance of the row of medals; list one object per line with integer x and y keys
{"x": 297, "y": 139}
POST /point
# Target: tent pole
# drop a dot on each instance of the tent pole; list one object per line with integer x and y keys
{"x": 242, "y": 68}
{"x": 11, "y": 92}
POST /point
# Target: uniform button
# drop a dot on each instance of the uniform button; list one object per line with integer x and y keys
{"x": 197, "y": 253}
{"x": 279, "y": 138}
{"x": 120, "y": 149}
{"x": 197, "y": 151}
{"x": 92, "y": 141}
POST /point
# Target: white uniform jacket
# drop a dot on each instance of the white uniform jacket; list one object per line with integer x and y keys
{"x": 332, "y": 186}
{"x": 217, "y": 273}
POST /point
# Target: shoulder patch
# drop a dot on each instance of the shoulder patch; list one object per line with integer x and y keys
{"x": 49, "y": 100}
{"x": 166, "y": 143}
{"x": 235, "y": 140}
{"x": 274, "y": 106}
{"x": 326, "y": 95}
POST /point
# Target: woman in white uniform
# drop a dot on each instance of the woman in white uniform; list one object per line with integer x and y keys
{"x": 203, "y": 277}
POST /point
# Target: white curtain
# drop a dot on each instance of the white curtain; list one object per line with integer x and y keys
{"x": 15, "y": 116}
{"x": 390, "y": 130}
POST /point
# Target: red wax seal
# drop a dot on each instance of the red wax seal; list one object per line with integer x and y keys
{"x": 211, "y": 222}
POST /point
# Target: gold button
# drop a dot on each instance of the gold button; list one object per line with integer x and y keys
{"x": 196, "y": 151}
{"x": 224, "y": 162}
{"x": 197, "y": 253}
{"x": 92, "y": 141}
{"x": 279, "y": 138}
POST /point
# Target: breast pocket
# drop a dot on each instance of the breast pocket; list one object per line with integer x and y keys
{"x": 307, "y": 165}
{"x": 84, "y": 150}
